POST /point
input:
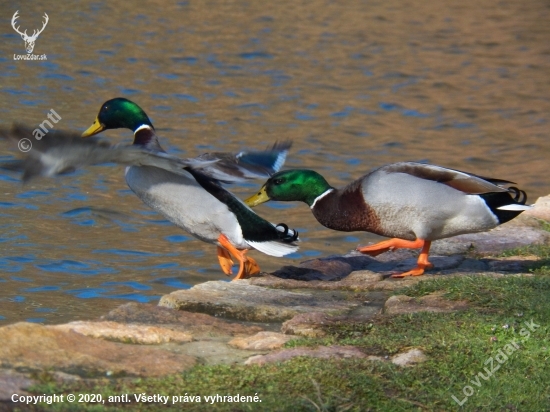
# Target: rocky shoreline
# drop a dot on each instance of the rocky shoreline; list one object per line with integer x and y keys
{"x": 249, "y": 321}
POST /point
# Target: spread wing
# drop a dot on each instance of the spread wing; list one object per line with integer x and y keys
{"x": 247, "y": 164}
{"x": 60, "y": 152}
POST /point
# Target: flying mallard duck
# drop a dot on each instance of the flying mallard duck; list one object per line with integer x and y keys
{"x": 413, "y": 203}
{"x": 187, "y": 192}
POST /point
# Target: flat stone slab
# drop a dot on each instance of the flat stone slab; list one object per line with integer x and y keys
{"x": 541, "y": 209}
{"x": 314, "y": 324}
{"x": 434, "y": 302}
{"x": 355, "y": 281}
{"x": 516, "y": 264}
{"x": 126, "y": 332}
{"x": 243, "y": 301}
{"x": 13, "y": 382}
{"x": 510, "y": 235}
{"x": 319, "y": 274}
{"x": 261, "y": 341}
{"x": 215, "y": 352}
{"x": 32, "y": 346}
{"x": 308, "y": 324}
{"x": 395, "y": 262}
{"x": 199, "y": 325}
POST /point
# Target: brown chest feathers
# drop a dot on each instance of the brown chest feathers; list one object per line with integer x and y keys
{"x": 346, "y": 210}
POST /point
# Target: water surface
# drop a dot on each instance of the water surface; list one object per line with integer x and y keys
{"x": 355, "y": 85}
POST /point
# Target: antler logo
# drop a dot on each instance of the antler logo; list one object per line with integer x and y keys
{"x": 29, "y": 40}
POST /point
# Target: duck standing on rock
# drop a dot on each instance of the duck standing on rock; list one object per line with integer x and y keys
{"x": 413, "y": 203}
{"x": 187, "y": 192}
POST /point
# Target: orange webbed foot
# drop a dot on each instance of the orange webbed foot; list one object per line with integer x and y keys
{"x": 226, "y": 263}
{"x": 251, "y": 267}
{"x": 247, "y": 266}
{"x": 421, "y": 264}
{"x": 417, "y": 271}
{"x": 396, "y": 243}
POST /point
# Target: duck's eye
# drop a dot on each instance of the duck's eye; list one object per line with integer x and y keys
{"x": 278, "y": 181}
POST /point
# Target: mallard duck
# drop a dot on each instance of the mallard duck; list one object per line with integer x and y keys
{"x": 187, "y": 192}
{"x": 413, "y": 203}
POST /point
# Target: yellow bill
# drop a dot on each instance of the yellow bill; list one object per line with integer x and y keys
{"x": 95, "y": 128}
{"x": 258, "y": 198}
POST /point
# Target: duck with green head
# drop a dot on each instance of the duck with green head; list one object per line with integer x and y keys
{"x": 194, "y": 199}
{"x": 121, "y": 113}
{"x": 412, "y": 203}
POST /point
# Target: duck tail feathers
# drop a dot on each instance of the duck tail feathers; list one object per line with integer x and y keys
{"x": 274, "y": 247}
{"x": 506, "y": 205}
{"x": 287, "y": 235}
{"x": 515, "y": 207}
{"x": 518, "y": 195}
{"x": 280, "y": 247}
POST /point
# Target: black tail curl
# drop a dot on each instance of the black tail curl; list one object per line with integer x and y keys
{"x": 288, "y": 235}
{"x": 519, "y": 195}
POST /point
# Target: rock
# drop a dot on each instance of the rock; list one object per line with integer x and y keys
{"x": 214, "y": 352}
{"x": 367, "y": 270}
{"x": 13, "y": 382}
{"x": 447, "y": 247}
{"x": 324, "y": 352}
{"x": 243, "y": 301}
{"x": 434, "y": 302}
{"x": 395, "y": 284}
{"x": 359, "y": 277}
{"x": 357, "y": 280}
{"x": 440, "y": 263}
{"x": 62, "y": 377}
{"x": 199, "y": 325}
{"x": 331, "y": 268}
{"x": 262, "y": 341}
{"x": 519, "y": 264}
{"x": 541, "y": 209}
{"x": 34, "y": 347}
{"x": 126, "y": 332}
{"x": 317, "y": 269}
{"x": 307, "y": 324}
{"x": 473, "y": 265}
{"x": 409, "y": 358}
{"x": 314, "y": 324}
{"x": 508, "y": 236}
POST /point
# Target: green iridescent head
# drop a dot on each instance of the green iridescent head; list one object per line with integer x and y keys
{"x": 291, "y": 185}
{"x": 118, "y": 113}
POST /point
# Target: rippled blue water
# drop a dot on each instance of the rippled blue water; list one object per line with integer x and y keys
{"x": 351, "y": 95}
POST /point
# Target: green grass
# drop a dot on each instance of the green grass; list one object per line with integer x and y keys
{"x": 458, "y": 345}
